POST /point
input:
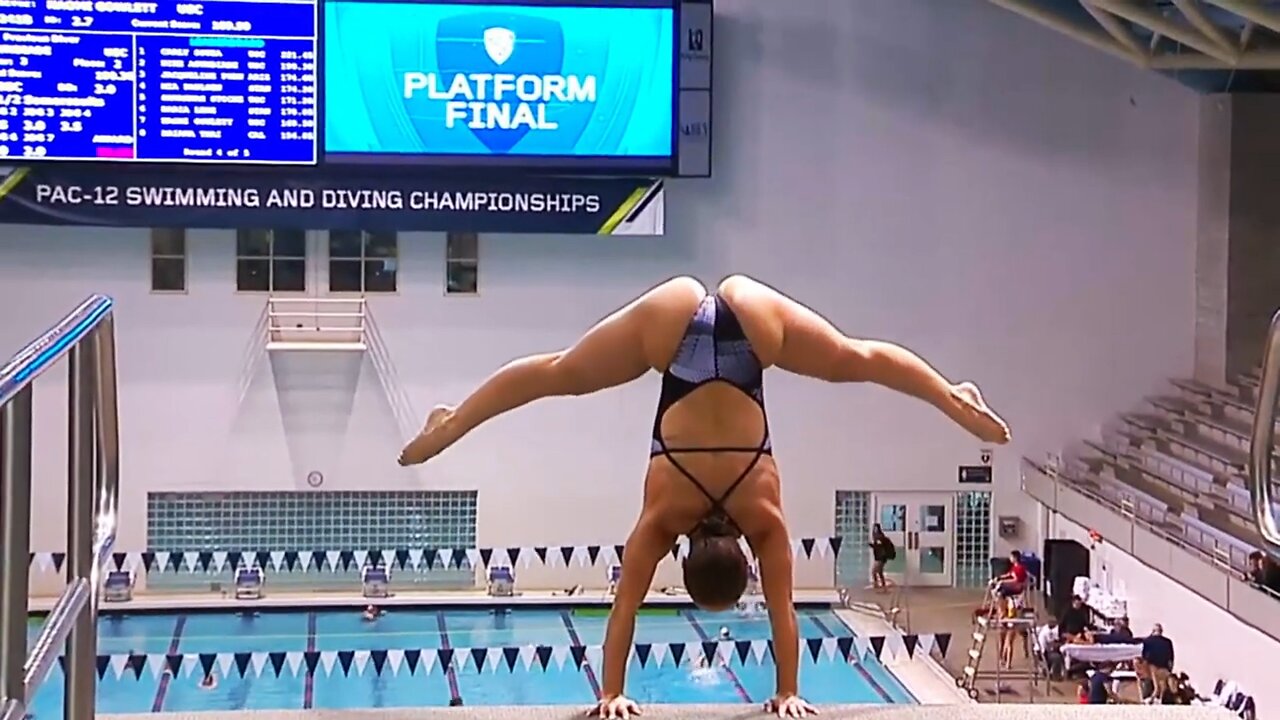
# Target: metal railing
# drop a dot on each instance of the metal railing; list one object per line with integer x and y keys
{"x": 331, "y": 323}
{"x": 335, "y": 322}
{"x": 407, "y": 422}
{"x": 1261, "y": 441}
{"x": 87, "y": 338}
{"x": 1213, "y": 572}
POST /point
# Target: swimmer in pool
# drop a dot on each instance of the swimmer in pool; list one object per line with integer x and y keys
{"x": 711, "y": 472}
{"x": 209, "y": 682}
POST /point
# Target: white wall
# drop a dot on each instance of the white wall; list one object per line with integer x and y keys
{"x": 1209, "y": 642}
{"x": 1017, "y": 208}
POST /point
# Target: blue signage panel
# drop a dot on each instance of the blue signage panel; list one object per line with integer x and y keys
{"x": 215, "y": 81}
{"x": 563, "y": 85}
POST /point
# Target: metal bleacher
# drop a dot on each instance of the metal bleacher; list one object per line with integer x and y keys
{"x": 1184, "y": 484}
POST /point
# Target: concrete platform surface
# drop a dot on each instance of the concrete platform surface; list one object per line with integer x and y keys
{"x": 727, "y": 712}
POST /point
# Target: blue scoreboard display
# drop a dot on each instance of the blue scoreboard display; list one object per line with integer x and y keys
{"x": 222, "y": 81}
{"x": 471, "y": 83}
{"x": 563, "y": 84}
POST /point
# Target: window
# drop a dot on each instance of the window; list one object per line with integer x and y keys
{"x": 973, "y": 538}
{"x": 271, "y": 260}
{"x": 362, "y": 262}
{"x": 462, "y": 264}
{"x": 168, "y": 260}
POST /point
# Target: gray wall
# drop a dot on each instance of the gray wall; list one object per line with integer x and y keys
{"x": 1017, "y": 208}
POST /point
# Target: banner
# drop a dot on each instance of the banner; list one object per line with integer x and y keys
{"x": 329, "y": 199}
{"x": 395, "y": 558}
{"x": 527, "y": 658}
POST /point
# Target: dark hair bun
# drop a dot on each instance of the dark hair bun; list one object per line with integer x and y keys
{"x": 716, "y": 525}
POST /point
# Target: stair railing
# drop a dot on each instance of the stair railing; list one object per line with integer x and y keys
{"x": 407, "y": 421}
{"x": 1261, "y": 484}
{"x": 251, "y": 359}
{"x": 86, "y": 337}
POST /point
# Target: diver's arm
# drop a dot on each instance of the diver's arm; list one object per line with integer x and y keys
{"x": 773, "y": 550}
{"x": 646, "y": 547}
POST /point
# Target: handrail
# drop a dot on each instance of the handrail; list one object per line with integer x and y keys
{"x": 31, "y": 361}
{"x": 1201, "y": 554}
{"x": 1260, "y": 444}
{"x": 87, "y": 338}
{"x": 392, "y": 387}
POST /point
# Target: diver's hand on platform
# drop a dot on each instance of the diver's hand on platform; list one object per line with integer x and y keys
{"x": 615, "y": 708}
{"x": 433, "y": 439}
{"x": 789, "y": 706}
{"x": 976, "y": 417}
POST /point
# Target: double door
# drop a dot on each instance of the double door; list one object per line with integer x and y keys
{"x": 921, "y": 528}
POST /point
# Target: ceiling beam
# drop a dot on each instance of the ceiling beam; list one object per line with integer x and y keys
{"x": 1093, "y": 38}
{"x": 1190, "y": 9}
{"x": 1156, "y": 22}
{"x": 1251, "y": 10}
{"x": 1118, "y": 31}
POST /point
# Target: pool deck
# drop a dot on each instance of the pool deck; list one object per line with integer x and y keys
{"x": 709, "y": 712}
{"x": 188, "y": 602}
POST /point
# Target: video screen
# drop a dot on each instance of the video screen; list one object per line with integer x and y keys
{"x": 214, "y": 81}
{"x": 563, "y": 85}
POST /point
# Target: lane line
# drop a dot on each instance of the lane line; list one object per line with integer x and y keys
{"x": 586, "y": 666}
{"x": 733, "y": 677}
{"x": 158, "y": 704}
{"x": 450, "y": 674}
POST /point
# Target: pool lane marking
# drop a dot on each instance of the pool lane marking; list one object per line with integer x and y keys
{"x": 309, "y": 683}
{"x": 158, "y": 704}
{"x": 867, "y": 676}
{"x": 733, "y": 677}
{"x": 449, "y": 673}
{"x": 567, "y": 617}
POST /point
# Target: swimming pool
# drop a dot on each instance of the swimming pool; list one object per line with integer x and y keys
{"x": 360, "y": 664}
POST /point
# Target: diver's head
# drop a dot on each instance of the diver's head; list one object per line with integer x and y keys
{"x": 715, "y": 571}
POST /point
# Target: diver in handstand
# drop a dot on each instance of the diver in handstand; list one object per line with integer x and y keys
{"x": 711, "y": 472}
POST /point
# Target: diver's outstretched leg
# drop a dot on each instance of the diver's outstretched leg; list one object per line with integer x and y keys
{"x": 617, "y": 350}
{"x": 812, "y": 346}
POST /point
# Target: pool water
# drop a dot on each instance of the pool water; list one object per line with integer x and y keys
{"x": 825, "y": 680}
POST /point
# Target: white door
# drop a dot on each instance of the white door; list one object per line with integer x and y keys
{"x": 920, "y": 526}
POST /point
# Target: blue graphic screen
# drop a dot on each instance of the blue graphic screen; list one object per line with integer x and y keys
{"x": 565, "y": 85}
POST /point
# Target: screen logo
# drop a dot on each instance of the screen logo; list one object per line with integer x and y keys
{"x": 501, "y": 76}
{"x": 499, "y": 42}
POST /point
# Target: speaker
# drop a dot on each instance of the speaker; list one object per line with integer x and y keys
{"x": 1064, "y": 561}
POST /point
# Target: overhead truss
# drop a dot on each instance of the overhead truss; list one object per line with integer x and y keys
{"x": 1167, "y": 34}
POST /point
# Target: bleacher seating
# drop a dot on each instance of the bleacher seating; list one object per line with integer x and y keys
{"x": 1179, "y": 464}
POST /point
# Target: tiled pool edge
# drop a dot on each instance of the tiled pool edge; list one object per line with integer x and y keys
{"x": 460, "y": 599}
{"x": 729, "y": 712}
{"x": 922, "y": 676}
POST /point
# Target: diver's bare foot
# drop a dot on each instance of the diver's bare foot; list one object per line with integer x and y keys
{"x": 431, "y": 441}
{"x": 976, "y": 417}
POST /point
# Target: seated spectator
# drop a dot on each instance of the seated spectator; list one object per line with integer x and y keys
{"x": 1120, "y": 634}
{"x": 1100, "y": 686}
{"x": 1074, "y": 622}
{"x": 1264, "y": 571}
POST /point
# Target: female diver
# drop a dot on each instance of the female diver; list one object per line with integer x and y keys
{"x": 711, "y": 471}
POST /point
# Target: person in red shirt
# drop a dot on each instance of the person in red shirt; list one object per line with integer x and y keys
{"x": 1012, "y": 583}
